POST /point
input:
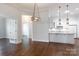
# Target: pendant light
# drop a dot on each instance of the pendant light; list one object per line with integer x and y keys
{"x": 59, "y": 16}
{"x": 67, "y": 19}
{"x": 35, "y": 16}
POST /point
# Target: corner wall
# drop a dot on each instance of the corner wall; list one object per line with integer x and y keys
{"x": 40, "y": 28}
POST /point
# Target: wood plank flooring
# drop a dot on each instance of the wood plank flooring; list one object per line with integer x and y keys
{"x": 39, "y": 49}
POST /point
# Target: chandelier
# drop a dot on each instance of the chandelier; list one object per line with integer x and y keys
{"x": 35, "y": 16}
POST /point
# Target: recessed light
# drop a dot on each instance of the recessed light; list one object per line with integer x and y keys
{"x": 76, "y": 8}
{"x": 67, "y": 11}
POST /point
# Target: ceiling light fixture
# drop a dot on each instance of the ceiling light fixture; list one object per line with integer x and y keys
{"x": 76, "y": 8}
{"x": 35, "y": 16}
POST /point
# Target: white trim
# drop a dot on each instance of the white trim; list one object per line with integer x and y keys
{"x": 40, "y": 40}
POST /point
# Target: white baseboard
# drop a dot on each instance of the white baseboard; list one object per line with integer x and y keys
{"x": 14, "y": 41}
{"x": 40, "y": 40}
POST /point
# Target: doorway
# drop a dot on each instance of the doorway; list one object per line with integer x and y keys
{"x": 26, "y": 30}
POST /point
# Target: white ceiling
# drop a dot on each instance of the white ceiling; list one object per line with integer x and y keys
{"x": 42, "y": 5}
{"x": 30, "y": 5}
{"x": 47, "y": 6}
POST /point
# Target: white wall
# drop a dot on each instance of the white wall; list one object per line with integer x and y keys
{"x": 2, "y": 27}
{"x": 8, "y": 11}
{"x": 77, "y": 21}
{"x": 40, "y": 28}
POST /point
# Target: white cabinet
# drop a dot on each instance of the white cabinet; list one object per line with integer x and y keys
{"x": 11, "y": 30}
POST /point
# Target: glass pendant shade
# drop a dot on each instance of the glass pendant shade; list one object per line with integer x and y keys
{"x": 59, "y": 16}
{"x": 67, "y": 14}
{"x": 33, "y": 18}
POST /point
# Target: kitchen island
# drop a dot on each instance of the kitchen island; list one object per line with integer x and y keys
{"x": 61, "y": 37}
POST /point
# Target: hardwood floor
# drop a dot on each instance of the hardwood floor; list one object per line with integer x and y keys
{"x": 39, "y": 49}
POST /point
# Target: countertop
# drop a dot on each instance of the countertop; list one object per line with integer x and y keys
{"x": 60, "y": 33}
